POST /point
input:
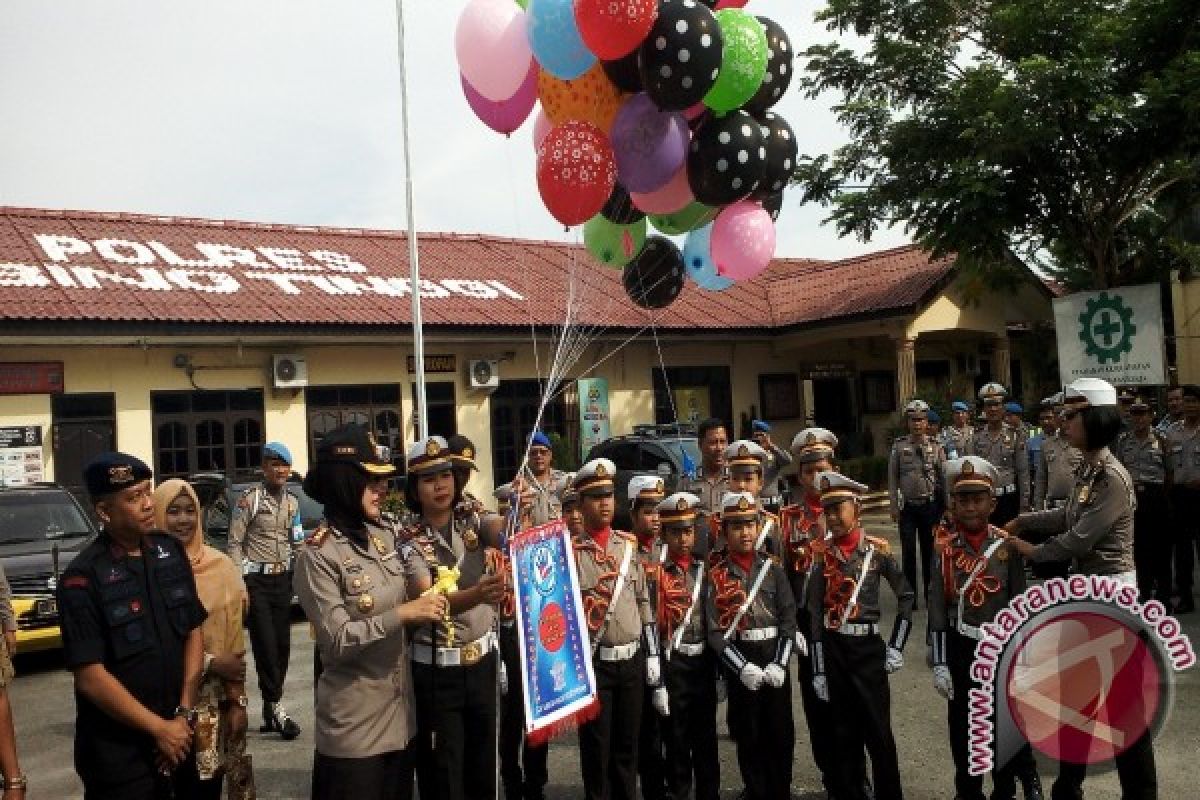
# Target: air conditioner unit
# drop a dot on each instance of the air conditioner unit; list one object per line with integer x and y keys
{"x": 484, "y": 374}
{"x": 289, "y": 372}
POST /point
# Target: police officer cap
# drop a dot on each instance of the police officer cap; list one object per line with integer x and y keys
{"x": 1049, "y": 402}
{"x": 645, "y": 487}
{"x": 429, "y": 455}
{"x": 744, "y": 455}
{"x": 570, "y": 497}
{"x": 1014, "y": 408}
{"x": 277, "y": 450}
{"x": 1140, "y": 403}
{"x": 354, "y": 444}
{"x": 992, "y": 391}
{"x": 935, "y": 418}
{"x": 462, "y": 451}
{"x": 1091, "y": 392}
{"x": 836, "y": 488}
{"x": 738, "y": 506}
{"x": 916, "y": 407}
{"x": 959, "y": 405}
{"x": 970, "y": 474}
{"x": 112, "y": 472}
{"x": 678, "y": 510}
{"x": 814, "y": 444}
{"x": 595, "y": 477}
{"x": 760, "y": 426}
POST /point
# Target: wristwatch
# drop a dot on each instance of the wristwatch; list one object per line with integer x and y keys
{"x": 189, "y": 715}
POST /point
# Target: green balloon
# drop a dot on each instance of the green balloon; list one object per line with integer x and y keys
{"x": 523, "y": 3}
{"x": 693, "y": 215}
{"x": 743, "y": 60}
{"x": 612, "y": 244}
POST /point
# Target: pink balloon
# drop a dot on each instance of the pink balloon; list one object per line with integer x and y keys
{"x": 731, "y": 4}
{"x": 743, "y": 241}
{"x": 507, "y": 115}
{"x": 492, "y": 48}
{"x": 667, "y": 200}
{"x": 541, "y": 126}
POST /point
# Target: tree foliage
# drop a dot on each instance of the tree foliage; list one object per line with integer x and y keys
{"x": 1061, "y": 133}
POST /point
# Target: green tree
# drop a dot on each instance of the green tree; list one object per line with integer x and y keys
{"x": 1063, "y": 134}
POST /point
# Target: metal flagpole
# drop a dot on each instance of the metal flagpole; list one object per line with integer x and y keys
{"x": 414, "y": 264}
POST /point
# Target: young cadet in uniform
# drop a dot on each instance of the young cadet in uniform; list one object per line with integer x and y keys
{"x": 1183, "y": 443}
{"x": 1143, "y": 452}
{"x": 1004, "y": 448}
{"x": 131, "y": 622}
{"x": 690, "y": 732}
{"x": 975, "y": 577}
{"x": 955, "y": 436}
{"x": 454, "y": 662}
{"x": 623, "y": 635}
{"x": 350, "y": 581}
{"x": 746, "y": 463}
{"x": 850, "y": 660}
{"x": 264, "y": 529}
{"x": 572, "y": 515}
{"x": 914, "y": 471}
{"x": 1095, "y": 531}
{"x": 645, "y": 492}
{"x": 752, "y": 631}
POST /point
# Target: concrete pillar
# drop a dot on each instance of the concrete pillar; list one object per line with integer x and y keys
{"x": 1001, "y": 362}
{"x": 906, "y": 369}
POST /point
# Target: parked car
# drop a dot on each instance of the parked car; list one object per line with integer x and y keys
{"x": 669, "y": 451}
{"x": 42, "y": 528}
{"x": 218, "y": 496}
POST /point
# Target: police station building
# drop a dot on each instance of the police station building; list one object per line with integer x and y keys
{"x": 191, "y": 342}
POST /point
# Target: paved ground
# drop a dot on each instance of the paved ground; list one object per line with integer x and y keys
{"x": 43, "y": 702}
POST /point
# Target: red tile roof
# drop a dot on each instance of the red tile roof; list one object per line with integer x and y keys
{"x": 112, "y": 267}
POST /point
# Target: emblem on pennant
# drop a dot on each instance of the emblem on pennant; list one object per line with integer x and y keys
{"x": 431, "y": 448}
{"x": 122, "y": 473}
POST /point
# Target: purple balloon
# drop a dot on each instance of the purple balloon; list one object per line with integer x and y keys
{"x": 650, "y": 145}
{"x": 504, "y": 116}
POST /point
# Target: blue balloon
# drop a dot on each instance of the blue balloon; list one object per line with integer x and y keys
{"x": 555, "y": 40}
{"x": 697, "y": 258}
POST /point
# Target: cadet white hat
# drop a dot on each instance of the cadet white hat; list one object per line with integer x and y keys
{"x": 745, "y": 454}
{"x": 645, "y": 487}
{"x": 595, "y": 477}
{"x": 1090, "y": 392}
{"x": 678, "y": 510}
{"x": 738, "y": 506}
{"x": 836, "y": 488}
{"x": 814, "y": 444}
{"x": 430, "y": 454}
{"x": 970, "y": 473}
{"x": 917, "y": 408}
{"x": 992, "y": 391}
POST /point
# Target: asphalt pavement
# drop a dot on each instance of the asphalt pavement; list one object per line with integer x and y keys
{"x": 43, "y": 702}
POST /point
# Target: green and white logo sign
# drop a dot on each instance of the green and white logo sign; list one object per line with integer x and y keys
{"x": 1115, "y": 334}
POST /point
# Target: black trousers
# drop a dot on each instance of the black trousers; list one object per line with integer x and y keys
{"x": 916, "y": 523}
{"x": 1185, "y": 507}
{"x": 387, "y": 776}
{"x": 690, "y": 733}
{"x": 861, "y": 703}
{"x": 455, "y": 746}
{"x": 182, "y": 784}
{"x": 269, "y": 622}
{"x": 522, "y": 766}
{"x": 652, "y": 766}
{"x": 1152, "y": 542}
{"x": 608, "y": 745}
{"x": 960, "y": 652}
{"x": 818, "y": 717}
{"x": 761, "y": 726}
{"x": 1135, "y": 771}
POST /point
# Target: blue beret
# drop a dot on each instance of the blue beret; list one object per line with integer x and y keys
{"x": 112, "y": 472}
{"x": 1014, "y": 408}
{"x": 277, "y": 450}
{"x": 959, "y": 405}
{"x": 760, "y": 427}
{"x": 539, "y": 439}
{"x": 935, "y": 417}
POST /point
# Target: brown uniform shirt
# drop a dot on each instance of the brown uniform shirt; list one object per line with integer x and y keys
{"x": 914, "y": 470}
{"x": 804, "y": 534}
{"x": 1145, "y": 459}
{"x": 1006, "y": 450}
{"x": 597, "y": 580}
{"x": 261, "y": 528}
{"x": 676, "y": 588}
{"x": 1183, "y": 444}
{"x": 729, "y": 585}
{"x": 1056, "y": 472}
{"x": 997, "y": 583}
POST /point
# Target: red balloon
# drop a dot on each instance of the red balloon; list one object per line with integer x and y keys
{"x": 614, "y": 28}
{"x": 576, "y": 171}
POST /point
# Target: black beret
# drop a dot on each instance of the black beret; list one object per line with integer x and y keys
{"x": 354, "y": 444}
{"x": 112, "y": 472}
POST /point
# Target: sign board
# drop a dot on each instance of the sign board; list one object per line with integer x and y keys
{"x": 20, "y": 377}
{"x": 692, "y": 404}
{"x": 818, "y": 370}
{"x": 438, "y": 363}
{"x": 1114, "y": 334}
{"x": 21, "y": 461}
{"x": 593, "y": 413}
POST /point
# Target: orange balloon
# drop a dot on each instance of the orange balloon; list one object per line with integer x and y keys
{"x": 591, "y": 97}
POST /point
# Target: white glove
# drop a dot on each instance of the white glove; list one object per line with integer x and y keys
{"x": 722, "y": 689}
{"x": 503, "y": 678}
{"x": 943, "y": 682}
{"x": 653, "y": 671}
{"x": 774, "y": 676}
{"x": 821, "y": 687}
{"x": 660, "y": 701}
{"x": 801, "y": 644}
{"x": 893, "y": 661}
{"x": 751, "y": 676}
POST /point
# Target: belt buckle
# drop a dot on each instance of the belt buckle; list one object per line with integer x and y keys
{"x": 471, "y": 653}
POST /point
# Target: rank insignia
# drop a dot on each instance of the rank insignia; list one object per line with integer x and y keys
{"x": 471, "y": 540}
{"x": 366, "y": 603}
{"x": 601, "y": 471}
{"x": 431, "y": 448}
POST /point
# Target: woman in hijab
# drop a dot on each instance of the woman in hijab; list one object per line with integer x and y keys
{"x": 221, "y": 702}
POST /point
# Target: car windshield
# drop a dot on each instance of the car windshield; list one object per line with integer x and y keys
{"x": 36, "y": 516}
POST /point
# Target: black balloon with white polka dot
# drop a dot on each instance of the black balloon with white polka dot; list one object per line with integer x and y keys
{"x": 681, "y": 56}
{"x": 782, "y": 151}
{"x": 655, "y": 277}
{"x": 727, "y": 159}
{"x": 779, "y": 68}
{"x": 773, "y": 204}
{"x": 624, "y": 72}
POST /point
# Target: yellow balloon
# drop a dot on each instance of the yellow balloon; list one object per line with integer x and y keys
{"x": 591, "y": 97}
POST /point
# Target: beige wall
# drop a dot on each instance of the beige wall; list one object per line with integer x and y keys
{"x": 1185, "y": 300}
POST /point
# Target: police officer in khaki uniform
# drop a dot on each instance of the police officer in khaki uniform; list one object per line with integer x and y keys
{"x": 954, "y": 437}
{"x": 542, "y": 481}
{"x": 752, "y": 631}
{"x": 1004, "y": 448}
{"x": 1094, "y": 530}
{"x": 1183, "y": 444}
{"x": 1057, "y": 460}
{"x": 350, "y": 581}
{"x": 264, "y": 529}
{"x": 623, "y": 636}
{"x": 1143, "y": 452}
{"x": 710, "y": 481}
{"x": 914, "y": 473}
{"x": 454, "y": 662}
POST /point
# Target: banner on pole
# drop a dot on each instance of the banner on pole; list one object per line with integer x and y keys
{"x": 558, "y": 683}
{"x": 593, "y": 413}
{"x": 1115, "y": 334}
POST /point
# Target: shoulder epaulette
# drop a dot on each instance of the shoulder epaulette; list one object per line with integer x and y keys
{"x": 318, "y": 536}
{"x": 773, "y": 517}
{"x": 880, "y": 544}
{"x": 626, "y": 535}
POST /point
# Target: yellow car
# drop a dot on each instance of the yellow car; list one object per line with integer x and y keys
{"x": 37, "y": 624}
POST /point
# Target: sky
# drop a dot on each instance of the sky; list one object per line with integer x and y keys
{"x": 288, "y": 111}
